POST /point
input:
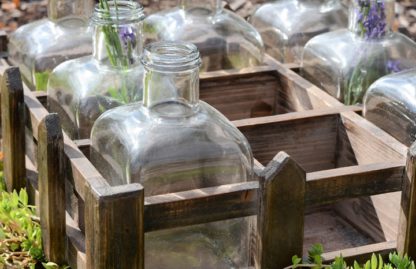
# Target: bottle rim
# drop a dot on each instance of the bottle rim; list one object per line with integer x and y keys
{"x": 171, "y": 56}
{"x": 118, "y": 12}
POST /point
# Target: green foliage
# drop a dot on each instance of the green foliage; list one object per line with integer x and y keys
{"x": 20, "y": 232}
{"x": 41, "y": 80}
{"x": 396, "y": 261}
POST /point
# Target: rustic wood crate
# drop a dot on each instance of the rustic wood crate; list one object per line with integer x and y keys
{"x": 334, "y": 155}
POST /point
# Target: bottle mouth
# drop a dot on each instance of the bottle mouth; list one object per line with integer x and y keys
{"x": 171, "y": 56}
{"x": 117, "y": 12}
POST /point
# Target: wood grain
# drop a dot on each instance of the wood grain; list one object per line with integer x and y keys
{"x": 406, "y": 239}
{"x": 13, "y": 129}
{"x": 280, "y": 218}
{"x": 114, "y": 233}
{"x": 52, "y": 188}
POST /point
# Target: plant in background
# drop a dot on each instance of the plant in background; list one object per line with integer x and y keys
{"x": 120, "y": 42}
{"x": 371, "y": 24}
{"x": 315, "y": 261}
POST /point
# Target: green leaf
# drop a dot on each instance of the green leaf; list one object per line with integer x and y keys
{"x": 50, "y": 265}
{"x": 374, "y": 261}
{"x": 24, "y": 199}
{"x": 356, "y": 265}
{"x": 295, "y": 261}
{"x": 315, "y": 253}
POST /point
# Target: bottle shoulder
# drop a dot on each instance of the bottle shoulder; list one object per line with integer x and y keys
{"x": 135, "y": 126}
{"x": 342, "y": 49}
{"x": 289, "y": 17}
{"x": 85, "y": 75}
{"x": 45, "y": 36}
{"x": 178, "y": 24}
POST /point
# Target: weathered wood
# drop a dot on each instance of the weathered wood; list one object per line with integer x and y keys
{"x": 349, "y": 182}
{"x": 200, "y": 206}
{"x": 363, "y": 253}
{"x": 52, "y": 188}
{"x": 13, "y": 129}
{"x": 281, "y": 213}
{"x": 406, "y": 239}
{"x": 114, "y": 233}
{"x": 3, "y": 43}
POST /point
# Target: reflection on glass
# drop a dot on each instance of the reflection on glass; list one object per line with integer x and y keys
{"x": 390, "y": 103}
{"x": 345, "y": 62}
{"x": 286, "y": 25}
{"x": 173, "y": 142}
{"x": 225, "y": 40}
{"x": 80, "y": 90}
{"x": 40, "y": 46}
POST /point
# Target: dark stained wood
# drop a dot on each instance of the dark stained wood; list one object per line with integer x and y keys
{"x": 114, "y": 233}
{"x": 406, "y": 239}
{"x": 200, "y": 206}
{"x": 281, "y": 213}
{"x": 13, "y": 130}
{"x": 52, "y": 188}
{"x": 3, "y": 43}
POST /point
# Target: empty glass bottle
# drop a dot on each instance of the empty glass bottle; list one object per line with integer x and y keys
{"x": 173, "y": 142}
{"x": 345, "y": 62}
{"x": 39, "y": 46}
{"x": 390, "y": 103}
{"x": 286, "y": 25}
{"x": 79, "y": 90}
{"x": 224, "y": 40}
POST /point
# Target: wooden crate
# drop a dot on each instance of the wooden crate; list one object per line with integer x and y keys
{"x": 334, "y": 155}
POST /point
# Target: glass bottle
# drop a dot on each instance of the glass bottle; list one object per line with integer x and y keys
{"x": 80, "y": 90}
{"x": 345, "y": 62}
{"x": 287, "y": 25}
{"x": 39, "y": 46}
{"x": 173, "y": 142}
{"x": 224, "y": 40}
{"x": 390, "y": 103}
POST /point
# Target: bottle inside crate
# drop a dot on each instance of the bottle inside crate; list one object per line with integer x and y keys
{"x": 390, "y": 103}
{"x": 346, "y": 62}
{"x": 81, "y": 89}
{"x": 172, "y": 142}
{"x": 38, "y": 47}
{"x": 225, "y": 40}
{"x": 286, "y": 25}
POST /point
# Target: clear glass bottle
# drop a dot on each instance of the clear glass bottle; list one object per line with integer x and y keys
{"x": 173, "y": 142}
{"x": 286, "y": 25}
{"x": 390, "y": 103}
{"x": 39, "y": 46}
{"x": 224, "y": 40}
{"x": 80, "y": 90}
{"x": 345, "y": 62}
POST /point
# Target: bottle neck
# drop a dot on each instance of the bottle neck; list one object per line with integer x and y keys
{"x": 117, "y": 39}
{"x": 171, "y": 79}
{"x": 61, "y": 9}
{"x": 214, "y": 5}
{"x": 161, "y": 88}
{"x": 371, "y": 19}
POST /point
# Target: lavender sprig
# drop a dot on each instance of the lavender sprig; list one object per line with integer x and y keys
{"x": 119, "y": 41}
{"x": 371, "y": 18}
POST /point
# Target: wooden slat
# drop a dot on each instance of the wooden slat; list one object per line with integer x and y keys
{"x": 52, "y": 188}
{"x": 406, "y": 239}
{"x": 331, "y": 185}
{"x": 114, "y": 233}
{"x": 281, "y": 213}
{"x": 13, "y": 129}
{"x": 361, "y": 254}
{"x": 200, "y": 206}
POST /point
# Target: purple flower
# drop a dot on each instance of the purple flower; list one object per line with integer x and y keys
{"x": 393, "y": 66}
{"x": 371, "y": 18}
{"x": 127, "y": 36}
